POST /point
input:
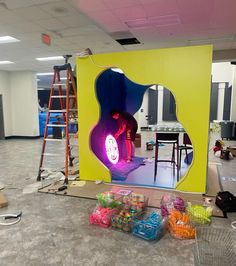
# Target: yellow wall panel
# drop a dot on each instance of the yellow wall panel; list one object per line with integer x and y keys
{"x": 185, "y": 71}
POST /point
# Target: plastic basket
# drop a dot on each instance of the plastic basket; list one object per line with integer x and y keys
{"x": 199, "y": 214}
{"x": 102, "y": 216}
{"x": 214, "y": 247}
{"x": 152, "y": 228}
{"x": 133, "y": 207}
{"x": 179, "y": 225}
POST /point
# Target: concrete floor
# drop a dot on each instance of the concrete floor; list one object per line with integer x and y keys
{"x": 55, "y": 230}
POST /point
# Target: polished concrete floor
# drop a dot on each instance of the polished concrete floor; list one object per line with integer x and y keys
{"x": 55, "y": 230}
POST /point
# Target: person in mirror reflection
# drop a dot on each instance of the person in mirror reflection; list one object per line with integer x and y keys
{"x": 128, "y": 125}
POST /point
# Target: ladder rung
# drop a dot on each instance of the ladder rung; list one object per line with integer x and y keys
{"x": 57, "y": 111}
{"x": 56, "y": 125}
{"x": 62, "y": 111}
{"x": 59, "y": 84}
{"x": 62, "y": 96}
{"x": 50, "y": 139}
{"x": 72, "y": 134}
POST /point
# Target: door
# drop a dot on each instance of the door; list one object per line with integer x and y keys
{"x": 214, "y": 101}
{"x": 227, "y": 101}
{"x": 169, "y": 106}
{"x": 2, "y": 134}
{"x": 152, "y": 106}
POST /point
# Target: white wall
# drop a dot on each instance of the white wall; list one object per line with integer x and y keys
{"x": 233, "y": 96}
{"x": 6, "y": 100}
{"x": 24, "y": 103}
{"x": 222, "y": 72}
{"x": 160, "y": 104}
{"x": 144, "y": 107}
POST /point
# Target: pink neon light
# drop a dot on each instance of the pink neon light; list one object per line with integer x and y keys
{"x": 112, "y": 150}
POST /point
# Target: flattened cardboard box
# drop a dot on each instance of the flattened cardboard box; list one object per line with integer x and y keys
{"x": 3, "y": 201}
{"x": 232, "y": 150}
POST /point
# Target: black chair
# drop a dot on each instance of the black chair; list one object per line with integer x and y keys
{"x": 172, "y": 139}
{"x": 227, "y": 128}
{"x": 186, "y": 146}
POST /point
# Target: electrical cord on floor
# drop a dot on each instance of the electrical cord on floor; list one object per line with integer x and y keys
{"x": 16, "y": 217}
{"x": 233, "y": 224}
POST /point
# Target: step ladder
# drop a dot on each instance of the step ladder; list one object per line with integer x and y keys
{"x": 68, "y": 113}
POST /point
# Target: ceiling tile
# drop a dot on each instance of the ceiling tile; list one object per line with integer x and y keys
{"x": 32, "y": 13}
{"x": 116, "y": 26}
{"x": 90, "y": 5}
{"x": 59, "y": 9}
{"x": 195, "y": 11}
{"x": 160, "y": 8}
{"x": 22, "y": 28}
{"x": 131, "y": 13}
{"x": 9, "y": 18}
{"x": 51, "y": 24}
{"x": 113, "y": 4}
{"x": 77, "y": 20}
{"x": 13, "y": 4}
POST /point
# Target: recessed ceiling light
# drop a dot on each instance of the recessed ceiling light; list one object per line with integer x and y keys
{"x": 50, "y": 58}
{"x": 45, "y": 74}
{"x": 7, "y": 39}
{"x": 6, "y": 62}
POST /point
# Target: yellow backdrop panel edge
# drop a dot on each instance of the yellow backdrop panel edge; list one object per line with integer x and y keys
{"x": 185, "y": 71}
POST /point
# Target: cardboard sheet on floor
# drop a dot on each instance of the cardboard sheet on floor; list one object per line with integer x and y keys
{"x": 90, "y": 190}
{"x": 213, "y": 180}
{"x": 3, "y": 201}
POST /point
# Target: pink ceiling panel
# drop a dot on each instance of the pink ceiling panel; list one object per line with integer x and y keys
{"x": 131, "y": 13}
{"x": 192, "y": 12}
{"x": 91, "y": 5}
{"x": 160, "y": 8}
{"x": 103, "y": 16}
{"x": 224, "y": 7}
{"x": 114, "y": 27}
{"x": 186, "y": 6}
{"x": 113, "y": 4}
{"x": 224, "y": 14}
{"x": 108, "y": 21}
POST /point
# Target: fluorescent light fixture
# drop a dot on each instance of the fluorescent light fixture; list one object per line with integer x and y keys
{"x": 6, "y": 62}
{"x": 50, "y": 58}
{"x": 7, "y": 39}
{"x": 45, "y": 74}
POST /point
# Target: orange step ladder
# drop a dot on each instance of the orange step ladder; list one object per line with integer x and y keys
{"x": 68, "y": 110}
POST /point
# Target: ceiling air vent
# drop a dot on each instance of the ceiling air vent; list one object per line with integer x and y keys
{"x": 128, "y": 41}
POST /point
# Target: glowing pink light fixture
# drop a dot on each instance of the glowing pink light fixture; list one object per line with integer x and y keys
{"x": 112, "y": 150}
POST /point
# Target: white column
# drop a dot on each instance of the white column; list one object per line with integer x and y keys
{"x": 221, "y": 96}
{"x": 6, "y": 102}
{"x": 160, "y": 104}
{"x": 233, "y": 97}
{"x": 24, "y": 103}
